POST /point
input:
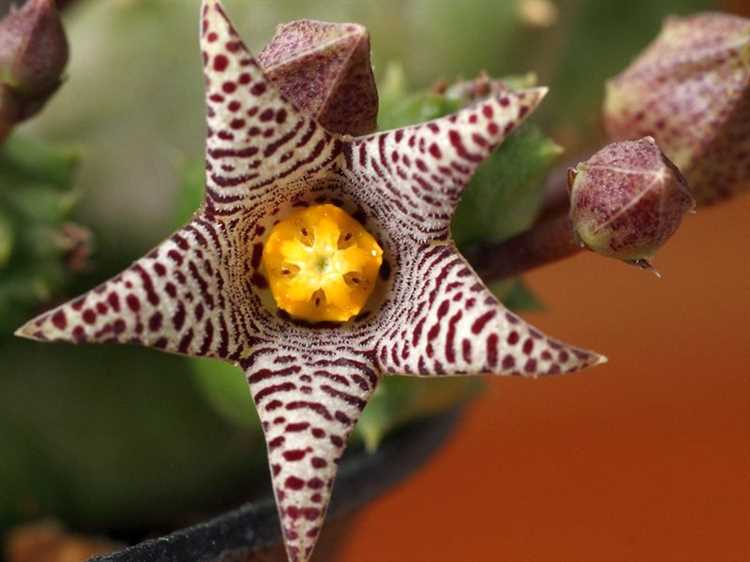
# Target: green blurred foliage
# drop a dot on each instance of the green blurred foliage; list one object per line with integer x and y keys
{"x": 399, "y": 400}
{"x": 506, "y": 192}
{"x": 597, "y": 40}
{"x": 516, "y": 295}
{"x": 37, "y": 195}
{"x": 109, "y": 437}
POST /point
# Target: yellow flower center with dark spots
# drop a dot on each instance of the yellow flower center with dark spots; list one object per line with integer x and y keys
{"x": 321, "y": 264}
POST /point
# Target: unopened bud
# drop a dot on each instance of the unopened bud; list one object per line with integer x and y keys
{"x": 627, "y": 200}
{"x": 324, "y": 70}
{"x": 33, "y": 55}
{"x": 469, "y": 91}
{"x": 690, "y": 90}
{"x": 76, "y": 243}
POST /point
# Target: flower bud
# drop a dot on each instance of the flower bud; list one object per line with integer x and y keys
{"x": 690, "y": 90}
{"x": 469, "y": 91}
{"x": 76, "y": 243}
{"x": 627, "y": 200}
{"x": 33, "y": 55}
{"x": 324, "y": 70}
{"x": 483, "y": 86}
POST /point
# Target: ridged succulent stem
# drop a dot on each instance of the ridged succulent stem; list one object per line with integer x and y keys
{"x": 546, "y": 242}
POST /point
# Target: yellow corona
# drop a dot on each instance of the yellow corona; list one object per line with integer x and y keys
{"x": 321, "y": 264}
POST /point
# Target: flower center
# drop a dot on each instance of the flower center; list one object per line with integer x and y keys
{"x": 321, "y": 264}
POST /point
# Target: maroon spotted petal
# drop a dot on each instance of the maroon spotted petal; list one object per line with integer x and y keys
{"x": 203, "y": 291}
{"x": 452, "y": 324}
{"x": 308, "y": 403}
{"x": 172, "y": 299}
{"x": 256, "y": 140}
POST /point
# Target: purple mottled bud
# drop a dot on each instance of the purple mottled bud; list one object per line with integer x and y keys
{"x": 469, "y": 91}
{"x": 324, "y": 70}
{"x": 690, "y": 90}
{"x": 76, "y": 242}
{"x": 33, "y": 55}
{"x": 627, "y": 200}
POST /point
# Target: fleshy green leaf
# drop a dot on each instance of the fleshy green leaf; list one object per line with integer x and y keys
{"x": 505, "y": 193}
{"x": 399, "y": 107}
{"x": 399, "y": 400}
{"x": 32, "y": 162}
{"x": 225, "y": 389}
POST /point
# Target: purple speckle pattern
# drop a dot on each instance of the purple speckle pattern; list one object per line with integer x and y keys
{"x": 324, "y": 70}
{"x": 627, "y": 200}
{"x": 690, "y": 91}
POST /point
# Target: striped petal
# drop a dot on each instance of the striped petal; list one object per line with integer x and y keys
{"x": 308, "y": 404}
{"x": 256, "y": 139}
{"x": 452, "y": 324}
{"x": 172, "y": 299}
{"x": 421, "y": 171}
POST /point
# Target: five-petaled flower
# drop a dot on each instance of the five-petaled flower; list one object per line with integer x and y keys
{"x": 205, "y": 291}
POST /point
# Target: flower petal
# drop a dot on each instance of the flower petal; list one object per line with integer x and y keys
{"x": 423, "y": 170}
{"x": 308, "y": 407}
{"x": 255, "y": 137}
{"x": 172, "y": 299}
{"x": 453, "y": 325}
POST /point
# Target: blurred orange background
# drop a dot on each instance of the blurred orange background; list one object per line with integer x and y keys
{"x": 644, "y": 459}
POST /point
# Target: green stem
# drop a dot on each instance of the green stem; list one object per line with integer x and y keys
{"x": 545, "y": 242}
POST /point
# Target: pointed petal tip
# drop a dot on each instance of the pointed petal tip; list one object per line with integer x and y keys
{"x": 592, "y": 359}
{"x": 33, "y": 330}
{"x": 211, "y": 9}
{"x": 25, "y": 332}
{"x": 537, "y": 95}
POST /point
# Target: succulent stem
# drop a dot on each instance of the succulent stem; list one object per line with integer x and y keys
{"x": 546, "y": 242}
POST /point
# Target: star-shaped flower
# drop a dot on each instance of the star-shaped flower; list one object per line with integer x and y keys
{"x": 271, "y": 170}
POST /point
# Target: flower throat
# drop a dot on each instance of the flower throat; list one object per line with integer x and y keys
{"x": 321, "y": 264}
